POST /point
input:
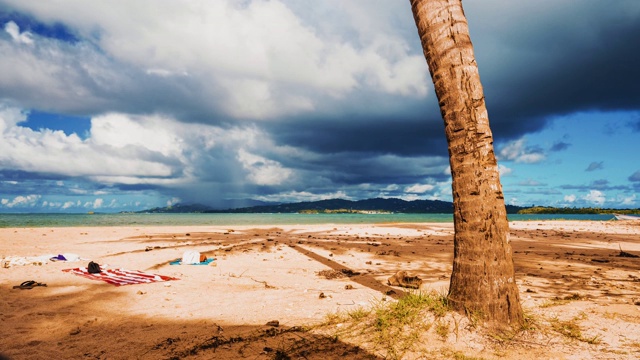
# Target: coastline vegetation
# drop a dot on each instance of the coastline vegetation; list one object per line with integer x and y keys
{"x": 344, "y": 211}
{"x": 590, "y": 210}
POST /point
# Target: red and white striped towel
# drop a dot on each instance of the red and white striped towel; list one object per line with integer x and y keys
{"x": 120, "y": 277}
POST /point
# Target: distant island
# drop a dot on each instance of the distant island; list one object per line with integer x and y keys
{"x": 590, "y": 210}
{"x": 375, "y": 206}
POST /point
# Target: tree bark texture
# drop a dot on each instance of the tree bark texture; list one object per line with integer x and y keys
{"x": 483, "y": 277}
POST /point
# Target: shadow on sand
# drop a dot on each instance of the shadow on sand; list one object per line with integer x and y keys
{"x": 110, "y": 335}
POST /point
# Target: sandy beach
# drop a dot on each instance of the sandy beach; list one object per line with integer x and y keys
{"x": 270, "y": 290}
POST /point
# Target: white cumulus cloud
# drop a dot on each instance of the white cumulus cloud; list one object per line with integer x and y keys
{"x": 419, "y": 188}
{"x": 20, "y": 37}
{"x": 503, "y": 170}
{"x": 97, "y": 203}
{"x": 21, "y": 201}
{"x": 262, "y": 171}
{"x": 629, "y": 200}
{"x": 518, "y": 152}
{"x": 595, "y": 197}
{"x": 255, "y": 59}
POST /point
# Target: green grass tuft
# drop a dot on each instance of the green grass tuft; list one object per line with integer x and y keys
{"x": 394, "y": 327}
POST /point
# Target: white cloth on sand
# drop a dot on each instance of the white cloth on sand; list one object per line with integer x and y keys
{"x": 190, "y": 257}
{"x": 71, "y": 257}
{"x": 10, "y": 261}
{"x": 25, "y": 260}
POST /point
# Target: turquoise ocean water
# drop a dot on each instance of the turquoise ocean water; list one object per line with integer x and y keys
{"x": 66, "y": 220}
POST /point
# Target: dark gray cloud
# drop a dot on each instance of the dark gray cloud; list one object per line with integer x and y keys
{"x": 542, "y": 59}
{"x": 373, "y": 134}
{"x": 598, "y": 185}
{"x": 559, "y": 146}
{"x": 341, "y": 103}
{"x": 532, "y": 68}
{"x": 596, "y": 165}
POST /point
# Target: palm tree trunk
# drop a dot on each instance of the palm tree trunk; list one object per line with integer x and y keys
{"x": 483, "y": 277}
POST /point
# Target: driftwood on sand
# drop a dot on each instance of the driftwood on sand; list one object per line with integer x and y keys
{"x": 404, "y": 279}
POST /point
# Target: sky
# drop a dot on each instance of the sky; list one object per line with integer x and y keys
{"x": 117, "y": 105}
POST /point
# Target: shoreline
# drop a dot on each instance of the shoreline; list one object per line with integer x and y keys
{"x": 250, "y": 219}
{"x": 271, "y": 272}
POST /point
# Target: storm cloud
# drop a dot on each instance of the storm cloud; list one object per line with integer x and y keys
{"x": 232, "y": 102}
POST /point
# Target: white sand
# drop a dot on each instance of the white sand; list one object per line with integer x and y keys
{"x": 270, "y": 273}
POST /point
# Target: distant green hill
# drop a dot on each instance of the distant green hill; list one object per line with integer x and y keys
{"x": 340, "y": 205}
{"x": 375, "y": 205}
{"x": 177, "y": 208}
{"x": 333, "y": 205}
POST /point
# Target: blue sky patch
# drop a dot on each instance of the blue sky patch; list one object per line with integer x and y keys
{"x": 54, "y": 30}
{"x": 68, "y": 124}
